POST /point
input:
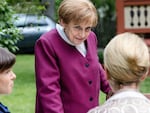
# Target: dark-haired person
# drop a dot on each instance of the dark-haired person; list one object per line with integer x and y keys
{"x": 7, "y": 76}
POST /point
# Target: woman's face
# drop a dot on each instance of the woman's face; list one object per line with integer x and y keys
{"x": 7, "y": 81}
{"x": 77, "y": 33}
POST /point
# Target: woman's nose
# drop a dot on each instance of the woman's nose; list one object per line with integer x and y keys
{"x": 13, "y": 75}
{"x": 82, "y": 33}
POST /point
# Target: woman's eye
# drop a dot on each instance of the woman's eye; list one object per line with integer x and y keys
{"x": 7, "y": 71}
{"x": 77, "y": 27}
{"x": 88, "y": 29}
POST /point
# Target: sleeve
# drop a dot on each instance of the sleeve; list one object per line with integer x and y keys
{"x": 47, "y": 77}
{"x": 105, "y": 87}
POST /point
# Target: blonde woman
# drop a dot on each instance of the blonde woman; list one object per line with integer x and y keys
{"x": 69, "y": 76}
{"x": 126, "y": 60}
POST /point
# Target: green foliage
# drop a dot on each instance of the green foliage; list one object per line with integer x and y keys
{"x": 57, "y": 3}
{"x": 100, "y": 55}
{"x": 28, "y": 7}
{"x": 106, "y": 27}
{"x": 106, "y": 9}
{"x": 9, "y": 34}
{"x": 13, "y": 2}
{"x": 97, "y": 3}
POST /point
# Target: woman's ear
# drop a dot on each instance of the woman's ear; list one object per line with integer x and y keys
{"x": 61, "y": 22}
{"x": 107, "y": 73}
{"x": 143, "y": 77}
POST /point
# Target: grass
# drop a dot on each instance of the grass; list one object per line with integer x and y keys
{"x": 23, "y": 97}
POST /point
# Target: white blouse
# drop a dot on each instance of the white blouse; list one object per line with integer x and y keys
{"x": 129, "y": 101}
{"x": 81, "y": 47}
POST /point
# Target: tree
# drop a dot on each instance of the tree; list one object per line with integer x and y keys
{"x": 9, "y": 34}
{"x": 106, "y": 27}
{"x": 50, "y": 7}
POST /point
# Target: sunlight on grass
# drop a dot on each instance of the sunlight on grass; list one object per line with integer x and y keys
{"x": 144, "y": 86}
{"x": 102, "y": 98}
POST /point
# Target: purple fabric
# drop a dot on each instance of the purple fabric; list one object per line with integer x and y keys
{"x": 66, "y": 81}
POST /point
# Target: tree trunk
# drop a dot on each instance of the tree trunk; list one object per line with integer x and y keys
{"x": 50, "y": 8}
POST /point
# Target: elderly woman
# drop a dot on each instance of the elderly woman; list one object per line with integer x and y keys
{"x": 126, "y": 60}
{"x": 69, "y": 76}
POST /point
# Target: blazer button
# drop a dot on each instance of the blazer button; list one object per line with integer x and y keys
{"x": 91, "y": 99}
{"x": 90, "y": 82}
{"x": 86, "y": 65}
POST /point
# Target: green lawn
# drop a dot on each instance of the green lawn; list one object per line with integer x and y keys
{"x": 22, "y": 100}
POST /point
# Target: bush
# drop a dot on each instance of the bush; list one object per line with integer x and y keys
{"x": 105, "y": 30}
{"x": 106, "y": 27}
{"x": 100, "y": 55}
{"x": 9, "y": 34}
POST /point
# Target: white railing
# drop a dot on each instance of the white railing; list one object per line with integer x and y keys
{"x": 137, "y": 16}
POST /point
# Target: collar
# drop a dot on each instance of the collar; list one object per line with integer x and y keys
{"x": 81, "y": 47}
{"x": 126, "y": 94}
{"x": 61, "y": 32}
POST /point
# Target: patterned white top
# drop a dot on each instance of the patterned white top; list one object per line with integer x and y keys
{"x": 129, "y": 101}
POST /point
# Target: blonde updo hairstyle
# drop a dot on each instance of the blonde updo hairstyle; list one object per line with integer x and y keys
{"x": 126, "y": 59}
{"x": 77, "y": 11}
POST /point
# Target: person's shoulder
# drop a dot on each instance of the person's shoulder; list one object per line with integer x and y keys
{"x": 127, "y": 105}
{"x": 94, "y": 110}
{"x": 50, "y": 34}
{"x": 92, "y": 34}
{"x": 3, "y": 109}
{"x": 49, "y": 39}
{"x": 92, "y": 39}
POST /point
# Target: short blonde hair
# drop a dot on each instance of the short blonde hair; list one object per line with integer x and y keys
{"x": 126, "y": 57}
{"x": 77, "y": 11}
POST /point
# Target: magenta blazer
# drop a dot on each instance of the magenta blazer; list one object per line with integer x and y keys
{"x": 66, "y": 81}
